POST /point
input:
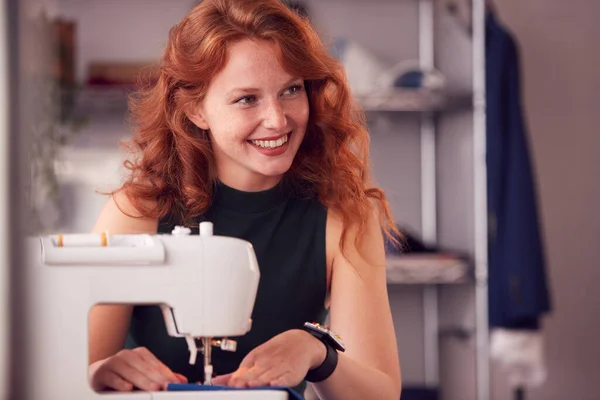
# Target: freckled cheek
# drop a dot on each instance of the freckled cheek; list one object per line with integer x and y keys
{"x": 233, "y": 129}
{"x": 299, "y": 115}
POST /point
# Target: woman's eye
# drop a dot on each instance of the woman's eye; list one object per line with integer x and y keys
{"x": 246, "y": 100}
{"x": 295, "y": 89}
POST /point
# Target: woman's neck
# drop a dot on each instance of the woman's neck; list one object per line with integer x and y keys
{"x": 249, "y": 182}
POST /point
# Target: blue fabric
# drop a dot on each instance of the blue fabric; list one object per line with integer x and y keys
{"x": 518, "y": 290}
{"x": 410, "y": 79}
{"x": 182, "y": 387}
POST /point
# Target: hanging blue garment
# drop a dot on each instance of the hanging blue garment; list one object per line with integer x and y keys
{"x": 518, "y": 290}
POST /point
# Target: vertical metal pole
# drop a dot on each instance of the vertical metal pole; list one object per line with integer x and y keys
{"x": 428, "y": 198}
{"x": 19, "y": 386}
{"x": 480, "y": 202}
{"x": 4, "y": 201}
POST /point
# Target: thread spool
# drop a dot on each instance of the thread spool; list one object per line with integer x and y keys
{"x": 82, "y": 240}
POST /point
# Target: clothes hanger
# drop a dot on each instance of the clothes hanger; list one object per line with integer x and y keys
{"x": 463, "y": 11}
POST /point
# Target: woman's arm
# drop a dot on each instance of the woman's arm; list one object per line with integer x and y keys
{"x": 111, "y": 367}
{"x": 108, "y": 324}
{"x": 360, "y": 314}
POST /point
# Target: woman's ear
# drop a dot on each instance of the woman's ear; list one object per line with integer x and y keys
{"x": 197, "y": 118}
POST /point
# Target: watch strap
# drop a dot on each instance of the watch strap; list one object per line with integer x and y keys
{"x": 324, "y": 370}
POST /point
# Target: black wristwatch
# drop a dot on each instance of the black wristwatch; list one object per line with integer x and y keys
{"x": 333, "y": 344}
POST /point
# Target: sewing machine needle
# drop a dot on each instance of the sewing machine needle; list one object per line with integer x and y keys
{"x": 208, "y": 368}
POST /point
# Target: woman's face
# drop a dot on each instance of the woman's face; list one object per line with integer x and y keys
{"x": 256, "y": 114}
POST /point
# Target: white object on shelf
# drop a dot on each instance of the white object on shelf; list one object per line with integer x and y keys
{"x": 426, "y": 269}
{"x": 433, "y": 79}
{"x": 362, "y": 67}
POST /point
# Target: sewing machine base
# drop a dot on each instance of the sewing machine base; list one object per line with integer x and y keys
{"x": 200, "y": 395}
{"x": 222, "y": 395}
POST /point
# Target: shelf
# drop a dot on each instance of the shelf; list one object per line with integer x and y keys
{"x": 427, "y": 269}
{"x": 94, "y": 101}
{"x": 112, "y": 101}
{"x": 414, "y": 101}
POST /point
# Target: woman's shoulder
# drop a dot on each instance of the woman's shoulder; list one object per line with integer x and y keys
{"x": 122, "y": 214}
{"x": 359, "y": 236}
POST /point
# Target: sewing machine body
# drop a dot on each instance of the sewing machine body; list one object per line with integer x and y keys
{"x": 206, "y": 285}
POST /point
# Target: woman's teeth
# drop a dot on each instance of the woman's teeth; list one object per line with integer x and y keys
{"x": 271, "y": 144}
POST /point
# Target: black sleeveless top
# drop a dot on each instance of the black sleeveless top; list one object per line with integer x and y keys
{"x": 288, "y": 235}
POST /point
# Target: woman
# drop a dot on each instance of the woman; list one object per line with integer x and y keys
{"x": 251, "y": 126}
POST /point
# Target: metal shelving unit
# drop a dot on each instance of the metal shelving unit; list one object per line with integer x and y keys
{"x": 428, "y": 270}
{"x": 480, "y": 201}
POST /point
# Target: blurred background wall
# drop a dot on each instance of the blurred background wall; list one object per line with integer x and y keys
{"x": 561, "y": 87}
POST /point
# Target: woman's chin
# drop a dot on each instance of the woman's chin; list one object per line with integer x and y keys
{"x": 274, "y": 171}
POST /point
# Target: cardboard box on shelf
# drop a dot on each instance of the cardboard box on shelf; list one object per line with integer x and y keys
{"x": 120, "y": 73}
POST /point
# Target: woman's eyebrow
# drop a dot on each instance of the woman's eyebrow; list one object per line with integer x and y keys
{"x": 243, "y": 90}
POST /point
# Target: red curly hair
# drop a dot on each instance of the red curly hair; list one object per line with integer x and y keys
{"x": 175, "y": 167}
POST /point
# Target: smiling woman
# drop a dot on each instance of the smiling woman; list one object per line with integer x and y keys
{"x": 262, "y": 63}
{"x": 251, "y": 126}
{"x": 255, "y": 114}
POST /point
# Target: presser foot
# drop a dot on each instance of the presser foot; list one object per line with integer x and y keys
{"x": 206, "y": 349}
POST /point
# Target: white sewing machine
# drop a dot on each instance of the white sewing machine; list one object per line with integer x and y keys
{"x": 206, "y": 286}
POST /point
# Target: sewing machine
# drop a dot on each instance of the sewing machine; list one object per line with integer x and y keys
{"x": 206, "y": 286}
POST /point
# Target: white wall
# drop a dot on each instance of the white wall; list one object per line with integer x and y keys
{"x": 116, "y": 30}
{"x": 560, "y": 58}
{"x": 109, "y": 30}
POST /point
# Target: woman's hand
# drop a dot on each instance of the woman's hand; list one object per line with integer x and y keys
{"x": 127, "y": 369}
{"x": 282, "y": 361}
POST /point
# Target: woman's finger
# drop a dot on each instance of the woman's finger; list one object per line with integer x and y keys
{"x": 241, "y": 377}
{"x": 265, "y": 378}
{"x": 181, "y": 378}
{"x": 131, "y": 369}
{"x": 113, "y": 381}
{"x": 222, "y": 380}
{"x": 249, "y": 360}
{"x": 159, "y": 372}
{"x": 286, "y": 379}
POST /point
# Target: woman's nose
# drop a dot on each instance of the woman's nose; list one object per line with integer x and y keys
{"x": 274, "y": 116}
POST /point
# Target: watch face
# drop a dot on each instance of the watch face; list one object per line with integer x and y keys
{"x": 338, "y": 342}
{"x": 322, "y": 330}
